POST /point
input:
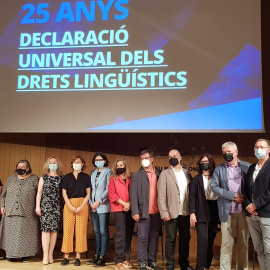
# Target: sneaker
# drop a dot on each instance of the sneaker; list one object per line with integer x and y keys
{"x": 100, "y": 261}
{"x": 65, "y": 262}
{"x": 154, "y": 266}
{"x": 143, "y": 266}
{"x": 128, "y": 264}
{"x": 77, "y": 262}
{"x": 94, "y": 260}
{"x": 119, "y": 266}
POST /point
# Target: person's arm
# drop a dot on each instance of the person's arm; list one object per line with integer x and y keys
{"x": 133, "y": 194}
{"x": 162, "y": 197}
{"x": 192, "y": 200}
{"x": 66, "y": 199}
{"x": 85, "y": 201}
{"x": 1, "y": 189}
{"x": 218, "y": 190}
{"x": 39, "y": 195}
{"x": 3, "y": 197}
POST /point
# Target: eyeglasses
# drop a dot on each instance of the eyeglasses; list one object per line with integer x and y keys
{"x": 260, "y": 147}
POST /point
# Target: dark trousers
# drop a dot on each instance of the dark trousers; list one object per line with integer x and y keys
{"x": 182, "y": 224}
{"x": 124, "y": 226}
{"x": 147, "y": 243}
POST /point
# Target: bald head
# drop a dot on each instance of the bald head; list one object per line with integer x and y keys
{"x": 174, "y": 153}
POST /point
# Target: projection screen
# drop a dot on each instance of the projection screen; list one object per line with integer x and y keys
{"x": 130, "y": 66}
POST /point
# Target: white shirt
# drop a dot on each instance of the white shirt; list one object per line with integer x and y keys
{"x": 209, "y": 195}
{"x": 183, "y": 188}
{"x": 256, "y": 171}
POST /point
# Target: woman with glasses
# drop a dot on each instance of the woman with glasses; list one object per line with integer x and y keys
{"x": 204, "y": 211}
{"x": 100, "y": 207}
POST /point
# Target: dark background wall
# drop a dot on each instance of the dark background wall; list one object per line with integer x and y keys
{"x": 161, "y": 143}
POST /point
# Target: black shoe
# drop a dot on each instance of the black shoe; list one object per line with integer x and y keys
{"x": 190, "y": 268}
{"x": 154, "y": 266}
{"x": 100, "y": 261}
{"x": 65, "y": 262}
{"x": 143, "y": 266}
{"x": 77, "y": 262}
{"x": 25, "y": 259}
{"x": 94, "y": 260}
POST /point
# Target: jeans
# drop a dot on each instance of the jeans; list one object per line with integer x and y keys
{"x": 101, "y": 229}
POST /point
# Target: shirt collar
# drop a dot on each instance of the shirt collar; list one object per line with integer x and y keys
{"x": 175, "y": 169}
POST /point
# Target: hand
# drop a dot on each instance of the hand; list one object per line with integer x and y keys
{"x": 251, "y": 209}
{"x": 136, "y": 217}
{"x": 238, "y": 198}
{"x": 95, "y": 205}
{"x": 126, "y": 206}
{"x": 3, "y": 211}
{"x": 78, "y": 210}
{"x": 72, "y": 209}
{"x": 38, "y": 211}
{"x": 193, "y": 220}
{"x": 166, "y": 219}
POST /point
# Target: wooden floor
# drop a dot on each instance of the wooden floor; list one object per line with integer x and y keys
{"x": 36, "y": 262}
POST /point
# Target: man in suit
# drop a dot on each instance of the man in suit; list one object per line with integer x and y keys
{"x": 227, "y": 184}
{"x": 257, "y": 201}
{"x": 173, "y": 193}
{"x": 144, "y": 210}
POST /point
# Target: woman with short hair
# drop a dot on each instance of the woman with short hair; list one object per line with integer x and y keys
{"x": 19, "y": 228}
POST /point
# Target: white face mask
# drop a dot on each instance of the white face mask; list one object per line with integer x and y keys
{"x": 146, "y": 163}
{"x": 77, "y": 166}
{"x": 53, "y": 167}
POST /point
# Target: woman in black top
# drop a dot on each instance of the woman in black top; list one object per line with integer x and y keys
{"x": 76, "y": 193}
{"x": 204, "y": 211}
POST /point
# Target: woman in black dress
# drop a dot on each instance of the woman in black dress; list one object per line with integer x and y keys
{"x": 204, "y": 211}
{"x": 49, "y": 206}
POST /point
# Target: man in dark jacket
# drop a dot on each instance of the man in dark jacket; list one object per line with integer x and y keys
{"x": 144, "y": 210}
{"x": 257, "y": 202}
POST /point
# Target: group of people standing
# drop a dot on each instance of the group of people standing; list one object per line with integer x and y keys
{"x": 233, "y": 194}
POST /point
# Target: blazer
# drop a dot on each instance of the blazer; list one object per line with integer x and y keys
{"x": 259, "y": 190}
{"x": 219, "y": 186}
{"x": 197, "y": 199}
{"x": 139, "y": 193}
{"x": 169, "y": 194}
{"x": 99, "y": 190}
{"x": 118, "y": 189}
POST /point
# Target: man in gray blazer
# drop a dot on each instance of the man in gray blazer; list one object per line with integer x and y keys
{"x": 173, "y": 194}
{"x": 227, "y": 184}
{"x": 144, "y": 210}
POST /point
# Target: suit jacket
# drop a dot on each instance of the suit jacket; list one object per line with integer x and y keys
{"x": 99, "y": 190}
{"x": 139, "y": 193}
{"x": 197, "y": 199}
{"x": 260, "y": 190}
{"x": 169, "y": 194}
{"x": 219, "y": 186}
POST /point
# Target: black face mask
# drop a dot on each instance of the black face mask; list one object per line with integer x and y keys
{"x": 173, "y": 161}
{"x": 120, "y": 170}
{"x": 20, "y": 171}
{"x": 228, "y": 157}
{"x": 204, "y": 166}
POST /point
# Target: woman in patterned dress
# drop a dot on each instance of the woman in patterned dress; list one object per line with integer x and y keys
{"x": 19, "y": 228}
{"x": 49, "y": 206}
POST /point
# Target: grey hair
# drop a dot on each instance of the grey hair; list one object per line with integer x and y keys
{"x": 232, "y": 144}
{"x": 263, "y": 140}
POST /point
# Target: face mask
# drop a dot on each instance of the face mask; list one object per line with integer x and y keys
{"x": 53, "y": 167}
{"x": 120, "y": 170}
{"x": 204, "y": 166}
{"x": 20, "y": 171}
{"x": 146, "y": 163}
{"x": 260, "y": 153}
{"x": 77, "y": 166}
{"x": 174, "y": 161}
{"x": 228, "y": 157}
{"x": 99, "y": 164}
